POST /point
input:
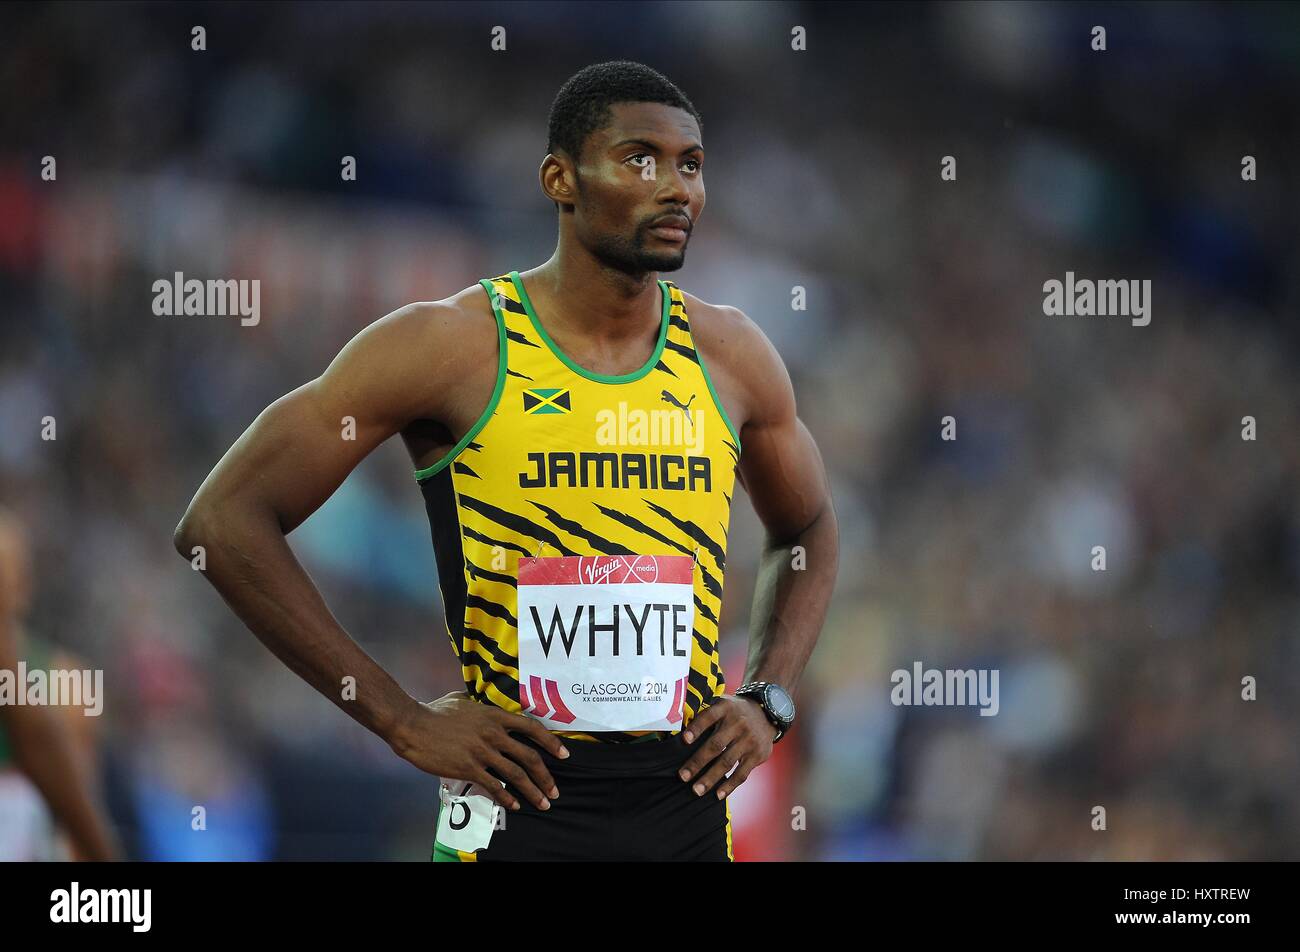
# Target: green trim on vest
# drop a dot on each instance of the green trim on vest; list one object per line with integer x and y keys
{"x": 722, "y": 412}
{"x": 582, "y": 371}
{"x": 502, "y": 360}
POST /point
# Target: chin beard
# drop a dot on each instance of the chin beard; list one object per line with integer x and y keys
{"x": 633, "y": 257}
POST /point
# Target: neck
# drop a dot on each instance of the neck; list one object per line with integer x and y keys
{"x": 598, "y": 301}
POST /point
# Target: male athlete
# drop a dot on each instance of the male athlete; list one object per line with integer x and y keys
{"x": 577, "y": 461}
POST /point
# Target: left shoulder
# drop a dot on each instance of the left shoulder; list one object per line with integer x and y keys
{"x": 741, "y": 359}
{"x": 719, "y": 327}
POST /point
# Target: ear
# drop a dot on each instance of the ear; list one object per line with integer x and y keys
{"x": 558, "y": 178}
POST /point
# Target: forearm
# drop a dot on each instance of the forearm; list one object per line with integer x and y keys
{"x": 791, "y": 595}
{"x": 249, "y": 562}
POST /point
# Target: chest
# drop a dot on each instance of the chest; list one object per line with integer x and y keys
{"x": 563, "y": 434}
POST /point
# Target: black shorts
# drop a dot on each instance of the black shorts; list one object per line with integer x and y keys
{"x": 617, "y": 802}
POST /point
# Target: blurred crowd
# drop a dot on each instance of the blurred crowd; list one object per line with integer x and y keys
{"x": 1120, "y": 688}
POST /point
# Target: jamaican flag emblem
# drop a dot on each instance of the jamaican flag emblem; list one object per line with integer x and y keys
{"x": 547, "y": 400}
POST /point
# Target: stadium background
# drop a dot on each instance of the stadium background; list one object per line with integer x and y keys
{"x": 1118, "y": 688}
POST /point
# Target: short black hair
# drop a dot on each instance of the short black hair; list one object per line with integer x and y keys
{"x": 582, "y": 106}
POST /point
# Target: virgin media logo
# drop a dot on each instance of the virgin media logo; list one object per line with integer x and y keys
{"x": 617, "y": 568}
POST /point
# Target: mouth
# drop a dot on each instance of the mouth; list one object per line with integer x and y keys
{"x": 674, "y": 229}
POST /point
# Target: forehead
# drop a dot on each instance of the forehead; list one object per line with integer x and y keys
{"x": 668, "y": 125}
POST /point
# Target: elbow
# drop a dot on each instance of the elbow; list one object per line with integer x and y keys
{"x": 213, "y": 522}
{"x": 190, "y": 530}
{"x": 183, "y": 535}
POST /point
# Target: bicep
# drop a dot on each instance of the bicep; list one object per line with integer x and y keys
{"x": 292, "y": 457}
{"x": 780, "y": 466}
{"x": 783, "y": 473}
{"x": 302, "y": 447}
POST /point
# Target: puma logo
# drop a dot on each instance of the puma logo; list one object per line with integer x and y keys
{"x": 667, "y": 397}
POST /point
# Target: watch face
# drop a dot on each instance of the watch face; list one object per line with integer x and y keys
{"x": 780, "y": 703}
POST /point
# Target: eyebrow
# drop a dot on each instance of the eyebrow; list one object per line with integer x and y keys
{"x": 653, "y": 147}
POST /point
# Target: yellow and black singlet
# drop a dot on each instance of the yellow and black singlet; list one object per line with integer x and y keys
{"x": 567, "y": 462}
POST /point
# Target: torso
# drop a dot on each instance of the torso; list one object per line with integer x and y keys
{"x": 534, "y": 477}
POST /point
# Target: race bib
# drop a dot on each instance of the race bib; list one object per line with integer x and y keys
{"x": 605, "y": 641}
{"x": 468, "y": 817}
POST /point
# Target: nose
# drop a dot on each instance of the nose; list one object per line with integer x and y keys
{"x": 672, "y": 187}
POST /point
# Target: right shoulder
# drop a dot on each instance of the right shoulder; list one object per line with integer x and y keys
{"x": 406, "y": 363}
{"x": 461, "y": 326}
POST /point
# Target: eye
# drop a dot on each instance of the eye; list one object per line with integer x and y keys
{"x": 696, "y": 163}
{"x": 640, "y": 155}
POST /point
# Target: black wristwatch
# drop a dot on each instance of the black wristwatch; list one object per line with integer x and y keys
{"x": 775, "y": 702}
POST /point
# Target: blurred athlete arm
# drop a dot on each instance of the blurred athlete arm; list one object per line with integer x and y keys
{"x": 281, "y": 470}
{"x": 43, "y": 743}
{"x": 782, "y": 471}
